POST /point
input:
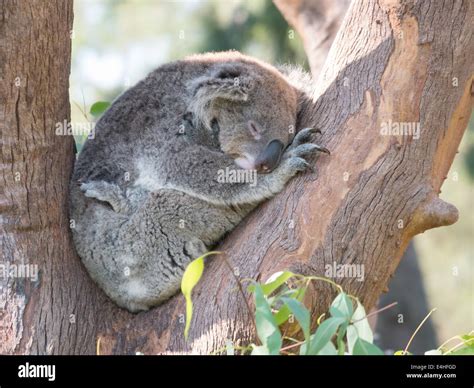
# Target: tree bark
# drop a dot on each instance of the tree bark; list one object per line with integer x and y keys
{"x": 391, "y": 60}
{"x": 52, "y": 313}
{"x": 317, "y": 22}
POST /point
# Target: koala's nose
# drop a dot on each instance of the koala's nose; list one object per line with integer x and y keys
{"x": 270, "y": 157}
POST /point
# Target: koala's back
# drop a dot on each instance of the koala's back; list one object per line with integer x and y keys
{"x": 143, "y": 117}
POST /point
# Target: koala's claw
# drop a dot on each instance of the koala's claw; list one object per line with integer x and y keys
{"x": 322, "y": 149}
{"x": 307, "y": 149}
{"x": 296, "y": 155}
{"x": 298, "y": 164}
{"x": 304, "y": 135}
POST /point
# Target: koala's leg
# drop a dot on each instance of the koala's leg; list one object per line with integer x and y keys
{"x": 195, "y": 170}
{"x": 154, "y": 247}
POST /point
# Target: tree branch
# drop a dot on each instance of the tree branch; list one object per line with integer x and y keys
{"x": 393, "y": 65}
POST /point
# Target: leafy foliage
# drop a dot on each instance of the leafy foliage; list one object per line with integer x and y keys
{"x": 279, "y": 303}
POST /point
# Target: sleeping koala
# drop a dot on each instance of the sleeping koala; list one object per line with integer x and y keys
{"x": 146, "y": 197}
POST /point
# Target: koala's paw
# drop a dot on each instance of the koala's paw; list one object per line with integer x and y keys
{"x": 106, "y": 192}
{"x": 296, "y": 155}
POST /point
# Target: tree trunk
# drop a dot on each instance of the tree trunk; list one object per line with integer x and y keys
{"x": 392, "y": 61}
{"x": 49, "y": 312}
{"x": 317, "y": 22}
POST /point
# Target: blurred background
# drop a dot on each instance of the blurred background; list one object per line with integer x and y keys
{"x": 116, "y": 43}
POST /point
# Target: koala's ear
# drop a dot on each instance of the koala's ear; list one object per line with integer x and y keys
{"x": 303, "y": 84}
{"x": 230, "y": 81}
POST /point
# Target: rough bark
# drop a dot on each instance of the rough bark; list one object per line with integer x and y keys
{"x": 317, "y": 22}
{"x": 391, "y": 60}
{"x": 51, "y": 314}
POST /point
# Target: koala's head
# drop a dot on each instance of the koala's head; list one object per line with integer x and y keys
{"x": 252, "y": 108}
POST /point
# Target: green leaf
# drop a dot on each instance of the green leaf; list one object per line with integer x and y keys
{"x": 301, "y": 314}
{"x": 341, "y": 307}
{"x": 361, "y": 323}
{"x": 434, "y": 352}
{"x": 464, "y": 351}
{"x": 267, "y": 328}
{"x": 260, "y": 351}
{"x": 401, "y": 353}
{"x": 359, "y": 329}
{"x": 99, "y": 107}
{"x": 328, "y": 350}
{"x": 322, "y": 336}
{"x": 273, "y": 282}
{"x": 352, "y": 336}
{"x": 341, "y": 346}
{"x": 282, "y": 315}
{"x": 191, "y": 277}
{"x": 364, "y": 348}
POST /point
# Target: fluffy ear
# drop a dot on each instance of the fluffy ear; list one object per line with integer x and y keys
{"x": 230, "y": 81}
{"x": 303, "y": 84}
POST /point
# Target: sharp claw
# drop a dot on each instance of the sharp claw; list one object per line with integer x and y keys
{"x": 323, "y": 149}
{"x": 312, "y": 130}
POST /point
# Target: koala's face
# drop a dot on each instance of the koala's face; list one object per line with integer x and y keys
{"x": 253, "y": 109}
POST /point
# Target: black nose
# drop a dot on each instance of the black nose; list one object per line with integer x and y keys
{"x": 270, "y": 156}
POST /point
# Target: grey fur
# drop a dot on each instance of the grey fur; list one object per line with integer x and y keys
{"x": 145, "y": 198}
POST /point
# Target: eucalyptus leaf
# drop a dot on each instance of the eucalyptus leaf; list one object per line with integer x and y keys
{"x": 282, "y": 315}
{"x": 352, "y": 336}
{"x": 362, "y": 323}
{"x": 191, "y": 277}
{"x": 364, "y": 348}
{"x": 267, "y": 328}
{"x": 260, "y": 351}
{"x": 328, "y": 350}
{"x": 463, "y": 351}
{"x": 341, "y": 346}
{"x": 98, "y": 108}
{"x": 301, "y": 314}
{"x": 401, "y": 353}
{"x": 275, "y": 281}
{"x": 322, "y": 336}
{"x": 342, "y": 306}
{"x": 434, "y": 352}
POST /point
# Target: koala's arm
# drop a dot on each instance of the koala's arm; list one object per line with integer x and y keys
{"x": 194, "y": 170}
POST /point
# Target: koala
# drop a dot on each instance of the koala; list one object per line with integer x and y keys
{"x": 145, "y": 198}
